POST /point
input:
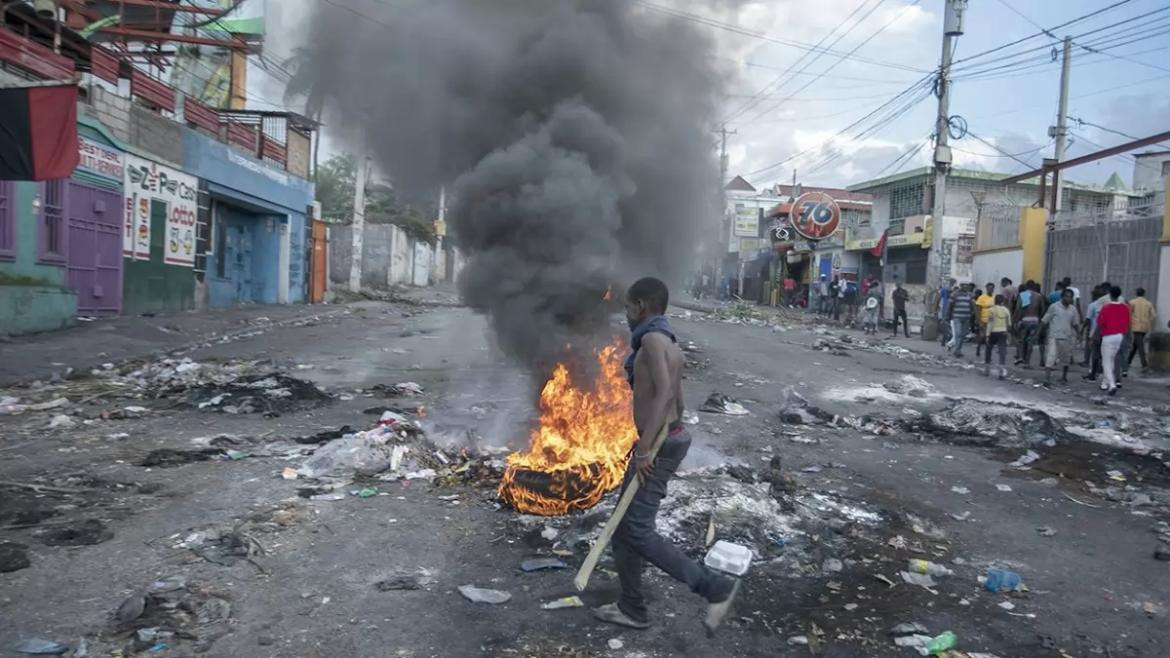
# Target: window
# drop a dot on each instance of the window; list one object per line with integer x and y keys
{"x": 52, "y": 233}
{"x": 907, "y": 200}
{"x": 7, "y": 222}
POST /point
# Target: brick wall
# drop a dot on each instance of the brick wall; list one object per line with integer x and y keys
{"x": 156, "y": 133}
{"x": 111, "y": 109}
{"x": 299, "y": 154}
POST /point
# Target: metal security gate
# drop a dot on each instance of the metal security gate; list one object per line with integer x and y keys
{"x": 95, "y": 249}
{"x": 1121, "y": 247}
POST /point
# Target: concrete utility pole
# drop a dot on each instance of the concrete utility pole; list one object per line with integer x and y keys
{"x": 724, "y": 230}
{"x": 952, "y": 29}
{"x": 1060, "y": 130}
{"x": 358, "y": 225}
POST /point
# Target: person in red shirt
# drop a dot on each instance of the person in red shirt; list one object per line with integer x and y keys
{"x": 1113, "y": 326}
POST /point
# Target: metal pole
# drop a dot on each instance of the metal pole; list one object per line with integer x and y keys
{"x": 1060, "y": 132}
{"x": 942, "y": 152}
{"x": 358, "y": 225}
{"x": 724, "y": 231}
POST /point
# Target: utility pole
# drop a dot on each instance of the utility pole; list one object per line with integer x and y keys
{"x": 724, "y": 230}
{"x": 1060, "y": 130}
{"x": 952, "y": 29}
{"x": 359, "y": 223}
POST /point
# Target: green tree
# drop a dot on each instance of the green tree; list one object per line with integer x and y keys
{"x": 335, "y": 181}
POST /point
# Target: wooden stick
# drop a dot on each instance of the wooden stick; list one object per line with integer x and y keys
{"x": 590, "y": 562}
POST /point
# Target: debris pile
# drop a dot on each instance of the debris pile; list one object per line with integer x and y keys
{"x": 170, "y": 612}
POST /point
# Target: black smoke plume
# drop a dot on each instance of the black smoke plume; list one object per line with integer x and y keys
{"x": 574, "y": 137}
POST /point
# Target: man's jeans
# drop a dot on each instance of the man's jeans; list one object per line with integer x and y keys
{"x": 959, "y": 330}
{"x": 637, "y": 540}
{"x": 1029, "y": 335}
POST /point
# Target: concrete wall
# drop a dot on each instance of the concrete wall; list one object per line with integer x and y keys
{"x": 994, "y": 264}
{"x": 299, "y": 154}
{"x": 161, "y": 136}
{"x": 389, "y": 257}
{"x": 111, "y": 109}
{"x": 25, "y": 309}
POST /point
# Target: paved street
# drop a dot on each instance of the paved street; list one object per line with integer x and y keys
{"x": 900, "y": 454}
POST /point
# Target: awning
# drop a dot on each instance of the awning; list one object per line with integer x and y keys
{"x": 911, "y": 240}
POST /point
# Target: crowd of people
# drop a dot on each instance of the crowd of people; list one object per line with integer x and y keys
{"x": 1110, "y": 330}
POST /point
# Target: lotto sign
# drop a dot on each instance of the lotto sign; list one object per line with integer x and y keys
{"x": 148, "y": 183}
{"x": 815, "y": 215}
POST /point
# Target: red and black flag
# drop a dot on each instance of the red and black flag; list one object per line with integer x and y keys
{"x": 38, "y": 132}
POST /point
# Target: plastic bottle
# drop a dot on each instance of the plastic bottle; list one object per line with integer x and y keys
{"x": 930, "y": 568}
{"x": 1000, "y": 580}
{"x": 939, "y": 644}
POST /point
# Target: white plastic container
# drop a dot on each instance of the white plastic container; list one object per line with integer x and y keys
{"x": 729, "y": 558}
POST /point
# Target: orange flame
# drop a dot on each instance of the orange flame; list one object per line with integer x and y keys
{"x": 582, "y": 446}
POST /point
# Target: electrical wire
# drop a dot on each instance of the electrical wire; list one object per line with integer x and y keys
{"x": 1005, "y": 154}
{"x": 905, "y": 156}
{"x": 865, "y": 41}
{"x": 1078, "y": 19}
{"x": 779, "y": 80}
{"x": 737, "y": 29}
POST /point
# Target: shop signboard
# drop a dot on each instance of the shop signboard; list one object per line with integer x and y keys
{"x": 148, "y": 182}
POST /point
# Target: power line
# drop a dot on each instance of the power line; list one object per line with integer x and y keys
{"x": 1052, "y": 29}
{"x": 905, "y": 156}
{"x": 1081, "y": 122}
{"x": 1005, "y": 154}
{"x": 1002, "y": 154}
{"x": 737, "y": 29}
{"x": 1031, "y": 22}
{"x": 778, "y": 82}
{"x": 842, "y": 59}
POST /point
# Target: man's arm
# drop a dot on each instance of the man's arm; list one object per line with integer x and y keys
{"x": 654, "y": 352}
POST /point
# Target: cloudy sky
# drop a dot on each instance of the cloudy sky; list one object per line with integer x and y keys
{"x": 793, "y": 109}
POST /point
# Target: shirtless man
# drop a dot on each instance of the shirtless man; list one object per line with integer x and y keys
{"x": 655, "y": 372}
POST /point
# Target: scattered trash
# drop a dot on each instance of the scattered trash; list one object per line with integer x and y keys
{"x": 1046, "y": 531}
{"x": 1001, "y": 580}
{"x": 690, "y": 418}
{"x": 930, "y": 568}
{"x": 962, "y": 516}
{"x": 1007, "y": 605}
{"x": 1025, "y": 459}
{"x": 400, "y": 583}
{"x": 43, "y": 406}
{"x": 832, "y": 565}
{"x": 1003, "y": 487}
{"x": 798, "y": 640}
{"x": 167, "y": 457}
{"x": 289, "y": 473}
{"x": 549, "y": 533}
{"x": 910, "y": 628}
{"x": 615, "y": 644}
{"x": 541, "y": 564}
{"x": 41, "y": 648}
{"x": 62, "y": 422}
{"x": 920, "y": 579}
{"x": 811, "y": 469}
{"x": 13, "y": 556}
{"x": 565, "y": 602}
{"x": 1116, "y": 476}
{"x": 367, "y": 492}
{"x": 130, "y": 609}
{"x": 489, "y": 596}
{"x": 729, "y": 558}
{"x": 717, "y": 403}
{"x": 914, "y": 641}
{"x": 960, "y": 490}
{"x": 168, "y": 584}
{"x": 939, "y": 644}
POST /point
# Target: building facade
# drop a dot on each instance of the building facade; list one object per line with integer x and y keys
{"x": 173, "y": 205}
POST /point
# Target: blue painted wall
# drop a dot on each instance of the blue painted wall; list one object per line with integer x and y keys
{"x": 256, "y": 200}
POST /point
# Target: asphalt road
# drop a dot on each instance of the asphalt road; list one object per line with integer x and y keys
{"x": 1095, "y": 588}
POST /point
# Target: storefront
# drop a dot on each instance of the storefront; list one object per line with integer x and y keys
{"x": 257, "y": 242}
{"x": 158, "y": 238}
